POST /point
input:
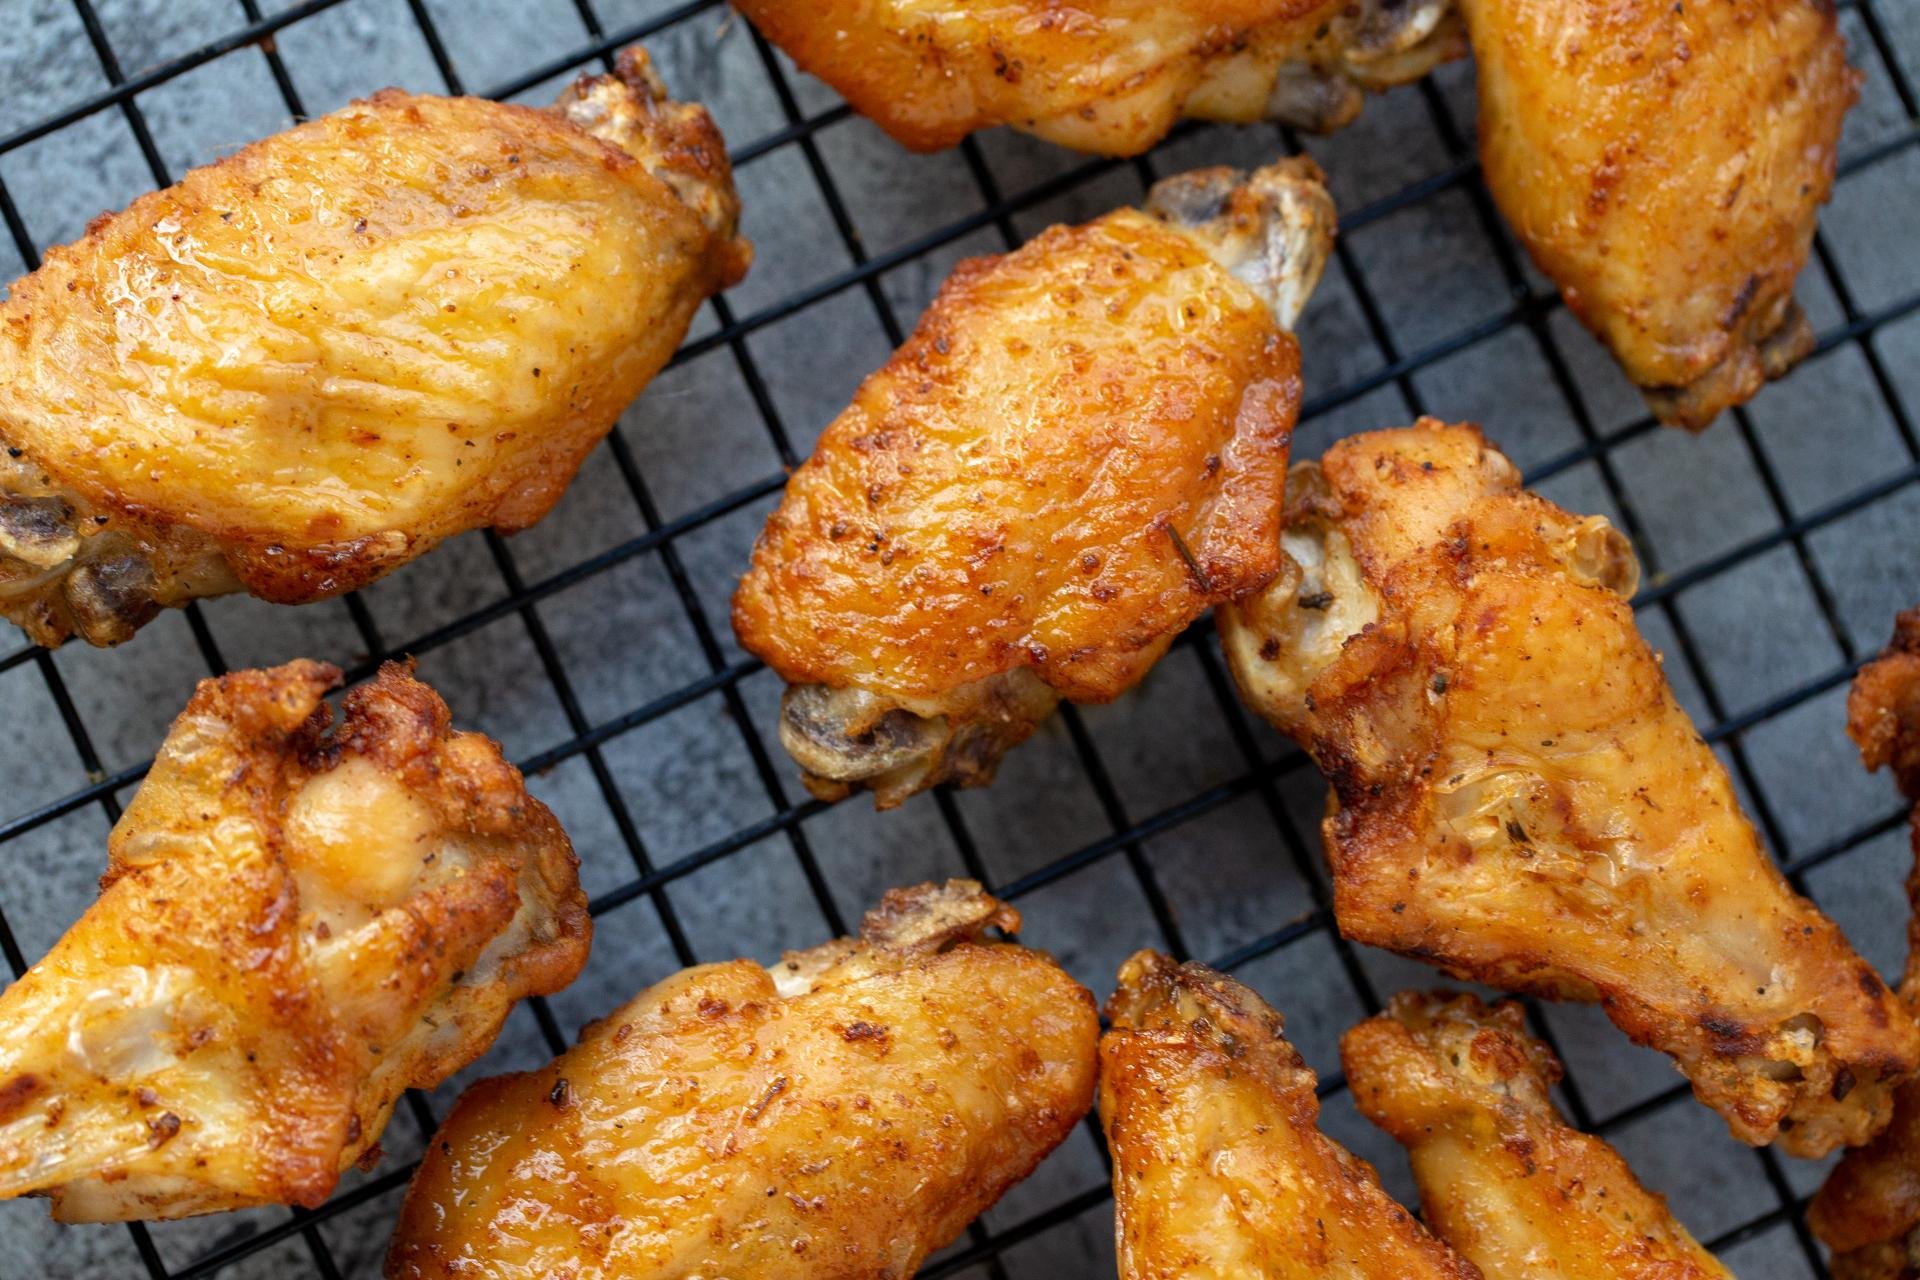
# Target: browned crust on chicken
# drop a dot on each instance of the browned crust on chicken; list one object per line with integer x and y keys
{"x": 1219, "y": 1165}
{"x": 1883, "y": 707}
{"x": 316, "y": 358}
{"x": 297, "y": 923}
{"x": 1664, "y": 164}
{"x": 1868, "y": 1212}
{"x": 1056, "y": 472}
{"x": 1518, "y": 799}
{"x": 843, "y": 1115}
{"x": 1109, "y": 76}
{"x": 1076, "y": 453}
{"x": 1503, "y": 1178}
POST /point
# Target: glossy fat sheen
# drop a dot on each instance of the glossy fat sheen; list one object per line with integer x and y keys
{"x": 1520, "y": 800}
{"x": 1109, "y": 75}
{"x": 1868, "y": 1212}
{"x": 1220, "y": 1170}
{"x": 1014, "y": 487}
{"x": 1664, "y": 163}
{"x": 296, "y": 925}
{"x": 325, "y": 353}
{"x": 1502, "y": 1177}
{"x": 842, "y": 1116}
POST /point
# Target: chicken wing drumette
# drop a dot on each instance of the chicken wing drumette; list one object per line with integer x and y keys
{"x": 1076, "y": 453}
{"x": 1517, "y": 797}
{"x": 1868, "y": 1213}
{"x": 313, "y": 360}
{"x": 297, "y": 924}
{"x": 1502, "y": 1177}
{"x": 1109, "y": 76}
{"x": 842, "y": 1115}
{"x": 1664, "y": 164}
{"x": 1219, "y": 1165}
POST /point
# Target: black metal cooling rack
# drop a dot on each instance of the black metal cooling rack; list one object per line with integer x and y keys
{"x": 1258, "y": 774}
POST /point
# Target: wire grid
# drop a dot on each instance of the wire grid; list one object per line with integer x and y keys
{"x": 1260, "y": 772}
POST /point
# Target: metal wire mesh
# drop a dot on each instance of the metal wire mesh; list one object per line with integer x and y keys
{"x": 1778, "y": 548}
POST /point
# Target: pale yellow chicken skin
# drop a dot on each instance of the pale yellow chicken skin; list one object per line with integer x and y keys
{"x": 1517, "y": 797}
{"x": 297, "y": 924}
{"x": 1868, "y": 1212}
{"x": 311, "y": 361}
{"x": 1109, "y": 76}
{"x": 1220, "y": 1170}
{"x": 1664, "y": 164}
{"x": 1076, "y": 453}
{"x": 842, "y": 1115}
{"x": 1503, "y": 1178}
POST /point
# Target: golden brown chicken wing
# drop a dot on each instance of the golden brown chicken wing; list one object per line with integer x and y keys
{"x": 1502, "y": 1177}
{"x": 1664, "y": 163}
{"x": 315, "y": 359}
{"x": 1868, "y": 1213}
{"x": 1518, "y": 799}
{"x": 1219, "y": 1166}
{"x": 842, "y": 1115}
{"x": 1075, "y": 454}
{"x": 1109, "y": 76}
{"x": 297, "y": 923}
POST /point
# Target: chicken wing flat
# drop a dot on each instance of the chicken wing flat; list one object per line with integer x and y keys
{"x": 842, "y": 1115}
{"x": 1502, "y": 1177}
{"x": 310, "y": 362}
{"x": 297, "y": 924}
{"x": 1109, "y": 76}
{"x": 1077, "y": 452}
{"x": 1219, "y": 1166}
{"x": 1517, "y": 797}
{"x": 1868, "y": 1212}
{"x": 1664, "y": 163}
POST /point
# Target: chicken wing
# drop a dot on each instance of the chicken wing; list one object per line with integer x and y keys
{"x": 1868, "y": 1212}
{"x": 310, "y": 362}
{"x": 842, "y": 1115}
{"x": 297, "y": 924}
{"x": 1664, "y": 163}
{"x": 1219, "y": 1166}
{"x": 1502, "y": 1177}
{"x": 1518, "y": 798}
{"x": 1076, "y": 453}
{"x": 1110, "y": 76}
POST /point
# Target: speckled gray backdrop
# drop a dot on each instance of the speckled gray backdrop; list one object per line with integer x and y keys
{"x": 1782, "y": 543}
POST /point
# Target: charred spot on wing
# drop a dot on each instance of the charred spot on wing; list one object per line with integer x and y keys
{"x": 17, "y": 1092}
{"x": 1730, "y": 1034}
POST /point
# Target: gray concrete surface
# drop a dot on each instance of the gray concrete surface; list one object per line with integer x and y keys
{"x": 688, "y": 779}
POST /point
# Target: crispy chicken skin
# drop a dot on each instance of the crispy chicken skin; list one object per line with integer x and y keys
{"x": 298, "y": 922}
{"x": 1868, "y": 1212}
{"x": 1109, "y": 76}
{"x": 311, "y": 361}
{"x": 1664, "y": 163}
{"x": 1502, "y": 1177}
{"x": 1517, "y": 797}
{"x": 1219, "y": 1166}
{"x": 1077, "y": 452}
{"x": 842, "y": 1115}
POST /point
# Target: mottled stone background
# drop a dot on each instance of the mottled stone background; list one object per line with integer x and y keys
{"x": 1780, "y": 545}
